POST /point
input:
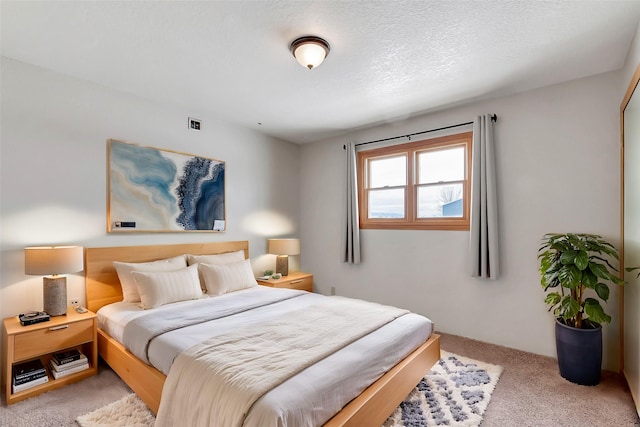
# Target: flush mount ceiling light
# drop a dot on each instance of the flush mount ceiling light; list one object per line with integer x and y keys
{"x": 310, "y": 51}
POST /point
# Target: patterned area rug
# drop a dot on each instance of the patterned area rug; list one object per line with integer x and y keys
{"x": 455, "y": 392}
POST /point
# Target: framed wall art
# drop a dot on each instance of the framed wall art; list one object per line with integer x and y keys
{"x": 155, "y": 190}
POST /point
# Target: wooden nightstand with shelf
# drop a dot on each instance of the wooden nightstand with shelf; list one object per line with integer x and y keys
{"x": 41, "y": 340}
{"x": 295, "y": 280}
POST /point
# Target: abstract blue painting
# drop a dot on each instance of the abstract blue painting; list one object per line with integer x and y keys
{"x": 161, "y": 190}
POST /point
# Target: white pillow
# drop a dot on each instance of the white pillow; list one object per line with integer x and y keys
{"x": 124, "y": 269}
{"x": 164, "y": 287}
{"x": 220, "y": 279}
{"x": 217, "y": 259}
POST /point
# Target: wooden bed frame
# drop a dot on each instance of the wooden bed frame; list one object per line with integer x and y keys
{"x": 371, "y": 407}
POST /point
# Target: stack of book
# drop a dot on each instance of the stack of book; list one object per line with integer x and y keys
{"x": 67, "y": 363}
{"x": 28, "y": 374}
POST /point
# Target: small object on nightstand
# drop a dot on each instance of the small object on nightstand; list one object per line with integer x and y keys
{"x": 276, "y": 276}
{"x": 81, "y": 310}
{"x": 263, "y": 278}
{"x": 33, "y": 317}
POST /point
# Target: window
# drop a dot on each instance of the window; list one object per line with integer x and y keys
{"x": 422, "y": 185}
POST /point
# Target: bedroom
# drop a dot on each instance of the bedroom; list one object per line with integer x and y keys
{"x": 53, "y": 177}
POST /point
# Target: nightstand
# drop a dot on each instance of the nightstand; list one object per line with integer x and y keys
{"x": 41, "y": 340}
{"x": 295, "y": 280}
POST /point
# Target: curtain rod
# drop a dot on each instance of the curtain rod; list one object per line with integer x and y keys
{"x": 494, "y": 118}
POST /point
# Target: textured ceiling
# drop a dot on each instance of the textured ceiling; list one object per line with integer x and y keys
{"x": 388, "y": 60}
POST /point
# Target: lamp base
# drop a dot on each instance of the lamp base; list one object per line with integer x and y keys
{"x": 282, "y": 264}
{"x": 54, "y": 295}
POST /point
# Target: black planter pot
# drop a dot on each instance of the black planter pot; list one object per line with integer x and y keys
{"x": 579, "y": 353}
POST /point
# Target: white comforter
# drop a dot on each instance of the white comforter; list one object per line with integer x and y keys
{"x": 312, "y": 396}
{"x": 224, "y": 376}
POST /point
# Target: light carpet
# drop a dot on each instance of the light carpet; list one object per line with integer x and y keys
{"x": 455, "y": 392}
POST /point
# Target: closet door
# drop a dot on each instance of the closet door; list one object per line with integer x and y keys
{"x": 630, "y": 111}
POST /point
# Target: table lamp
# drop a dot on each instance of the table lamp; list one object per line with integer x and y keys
{"x": 283, "y": 248}
{"x": 52, "y": 261}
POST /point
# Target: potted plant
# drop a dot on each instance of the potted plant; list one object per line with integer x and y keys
{"x": 576, "y": 275}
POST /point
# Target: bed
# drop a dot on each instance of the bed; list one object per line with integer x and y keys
{"x": 370, "y": 407}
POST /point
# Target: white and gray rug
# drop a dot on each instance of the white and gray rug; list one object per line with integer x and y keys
{"x": 455, "y": 392}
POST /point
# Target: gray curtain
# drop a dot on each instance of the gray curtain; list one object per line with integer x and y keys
{"x": 351, "y": 227}
{"x": 483, "y": 244}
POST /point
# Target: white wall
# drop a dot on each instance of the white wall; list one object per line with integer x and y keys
{"x": 53, "y": 176}
{"x": 558, "y": 170}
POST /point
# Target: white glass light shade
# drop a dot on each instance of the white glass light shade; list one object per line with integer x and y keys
{"x": 40, "y": 261}
{"x": 309, "y": 51}
{"x": 284, "y": 246}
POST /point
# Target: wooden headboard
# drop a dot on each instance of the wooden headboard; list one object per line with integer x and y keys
{"x": 102, "y": 284}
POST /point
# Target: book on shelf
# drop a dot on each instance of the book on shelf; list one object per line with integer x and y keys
{"x": 73, "y": 370}
{"x": 66, "y": 356}
{"x": 34, "y": 376}
{"x": 32, "y": 368}
{"x": 62, "y": 367}
{"x": 22, "y": 387}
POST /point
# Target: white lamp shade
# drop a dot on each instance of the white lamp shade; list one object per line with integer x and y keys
{"x": 310, "y": 55}
{"x": 284, "y": 246}
{"x": 45, "y": 260}
{"x": 309, "y": 51}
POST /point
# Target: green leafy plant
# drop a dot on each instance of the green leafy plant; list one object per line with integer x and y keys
{"x": 268, "y": 272}
{"x": 570, "y": 265}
